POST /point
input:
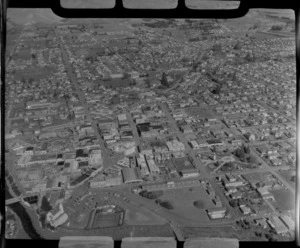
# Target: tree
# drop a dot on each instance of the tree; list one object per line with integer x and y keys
{"x": 217, "y": 90}
{"x": 251, "y": 159}
{"x": 255, "y": 26}
{"x": 232, "y": 76}
{"x": 167, "y": 205}
{"x": 164, "y": 80}
{"x": 276, "y": 28}
{"x": 249, "y": 57}
{"x": 55, "y": 93}
{"x": 240, "y": 153}
{"x": 125, "y": 75}
{"x": 246, "y": 149}
{"x": 194, "y": 65}
{"x": 217, "y": 47}
{"x": 233, "y": 204}
{"x": 237, "y": 46}
{"x": 148, "y": 82}
{"x": 199, "y": 204}
{"x": 45, "y": 206}
{"x": 246, "y": 222}
{"x": 270, "y": 237}
{"x": 43, "y": 220}
{"x": 71, "y": 116}
{"x": 258, "y": 234}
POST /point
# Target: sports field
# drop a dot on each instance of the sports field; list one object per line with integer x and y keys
{"x": 107, "y": 220}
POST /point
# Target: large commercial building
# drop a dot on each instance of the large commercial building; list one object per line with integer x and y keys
{"x": 276, "y": 224}
{"x": 130, "y": 175}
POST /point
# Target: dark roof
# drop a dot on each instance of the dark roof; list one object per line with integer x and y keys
{"x": 83, "y": 163}
{"x": 61, "y": 163}
{"x": 213, "y": 141}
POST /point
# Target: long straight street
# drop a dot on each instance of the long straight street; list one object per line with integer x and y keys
{"x": 81, "y": 96}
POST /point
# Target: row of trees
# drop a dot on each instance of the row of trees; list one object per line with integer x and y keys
{"x": 151, "y": 195}
{"x": 164, "y": 204}
{"x": 243, "y": 153}
{"x": 154, "y": 195}
{"x": 270, "y": 236}
{"x": 276, "y": 28}
{"x": 164, "y": 80}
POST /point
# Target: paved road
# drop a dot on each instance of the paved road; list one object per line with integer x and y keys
{"x": 30, "y": 116}
{"x": 197, "y": 161}
{"x": 174, "y": 220}
{"x": 12, "y": 200}
{"x": 10, "y": 105}
{"x": 273, "y": 171}
{"x": 133, "y": 128}
{"x": 105, "y": 152}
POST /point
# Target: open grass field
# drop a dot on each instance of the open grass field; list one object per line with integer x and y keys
{"x": 222, "y": 232}
{"x": 287, "y": 175}
{"x": 284, "y": 199}
{"x": 143, "y": 217}
{"x": 183, "y": 199}
{"x": 117, "y": 233}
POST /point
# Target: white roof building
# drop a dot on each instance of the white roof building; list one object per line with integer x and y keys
{"x": 122, "y": 117}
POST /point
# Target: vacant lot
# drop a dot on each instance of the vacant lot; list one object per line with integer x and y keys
{"x": 183, "y": 202}
{"x": 284, "y": 199}
{"x": 288, "y": 176}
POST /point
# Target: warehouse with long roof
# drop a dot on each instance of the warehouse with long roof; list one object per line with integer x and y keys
{"x": 130, "y": 175}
